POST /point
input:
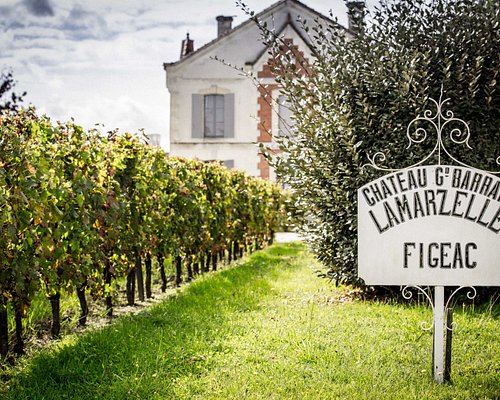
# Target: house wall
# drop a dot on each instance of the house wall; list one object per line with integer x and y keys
{"x": 240, "y": 147}
{"x": 243, "y": 155}
{"x": 254, "y": 117}
{"x": 183, "y": 87}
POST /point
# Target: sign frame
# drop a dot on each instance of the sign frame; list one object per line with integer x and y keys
{"x": 404, "y": 205}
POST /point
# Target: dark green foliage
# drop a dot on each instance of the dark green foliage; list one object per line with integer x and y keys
{"x": 9, "y": 100}
{"x": 359, "y": 96}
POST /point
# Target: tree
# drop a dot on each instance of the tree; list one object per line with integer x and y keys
{"x": 9, "y": 100}
{"x": 360, "y": 94}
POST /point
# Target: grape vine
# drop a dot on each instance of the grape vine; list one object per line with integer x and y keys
{"x": 79, "y": 209}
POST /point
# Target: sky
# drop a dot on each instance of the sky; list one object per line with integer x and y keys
{"x": 101, "y": 61}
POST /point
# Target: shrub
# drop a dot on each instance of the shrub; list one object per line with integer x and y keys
{"x": 361, "y": 92}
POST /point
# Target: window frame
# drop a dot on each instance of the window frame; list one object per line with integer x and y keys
{"x": 213, "y": 116}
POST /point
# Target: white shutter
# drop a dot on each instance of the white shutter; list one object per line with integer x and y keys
{"x": 229, "y": 115}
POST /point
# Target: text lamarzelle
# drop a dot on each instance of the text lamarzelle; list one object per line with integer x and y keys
{"x": 445, "y": 191}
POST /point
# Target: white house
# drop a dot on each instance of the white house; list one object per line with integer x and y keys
{"x": 217, "y": 113}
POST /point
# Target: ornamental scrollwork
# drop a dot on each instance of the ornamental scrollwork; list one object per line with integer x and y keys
{"x": 471, "y": 294}
{"x": 408, "y": 294}
{"x": 426, "y": 326}
{"x": 440, "y": 121}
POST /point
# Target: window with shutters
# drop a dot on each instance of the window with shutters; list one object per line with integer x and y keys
{"x": 282, "y": 119}
{"x": 285, "y": 114}
{"x": 213, "y": 116}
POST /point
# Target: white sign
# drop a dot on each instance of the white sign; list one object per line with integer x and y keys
{"x": 430, "y": 225}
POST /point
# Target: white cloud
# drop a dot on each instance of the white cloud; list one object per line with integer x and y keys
{"x": 6, "y": 38}
{"x": 81, "y": 24}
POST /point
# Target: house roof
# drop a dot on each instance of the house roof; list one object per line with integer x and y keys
{"x": 261, "y": 15}
{"x": 278, "y": 33}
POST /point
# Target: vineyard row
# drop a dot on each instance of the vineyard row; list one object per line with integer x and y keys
{"x": 79, "y": 209}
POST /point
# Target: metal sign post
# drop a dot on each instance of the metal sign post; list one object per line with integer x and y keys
{"x": 439, "y": 326}
{"x": 434, "y": 225}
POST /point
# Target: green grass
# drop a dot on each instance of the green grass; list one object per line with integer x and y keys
{"x": 266, "y": 329}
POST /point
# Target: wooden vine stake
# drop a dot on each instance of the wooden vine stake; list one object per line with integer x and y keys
{"x": 449, "y": 337}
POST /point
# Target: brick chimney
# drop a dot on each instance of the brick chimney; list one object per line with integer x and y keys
{"x": 187, "y": 46}
{"x": 224, "y": 25}
{"x": 355, "y": 14}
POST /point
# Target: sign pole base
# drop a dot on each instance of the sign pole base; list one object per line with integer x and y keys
{"x": 442, "y": 321}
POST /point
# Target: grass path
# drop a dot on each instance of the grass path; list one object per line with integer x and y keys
{"x": 267, "y": 329}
